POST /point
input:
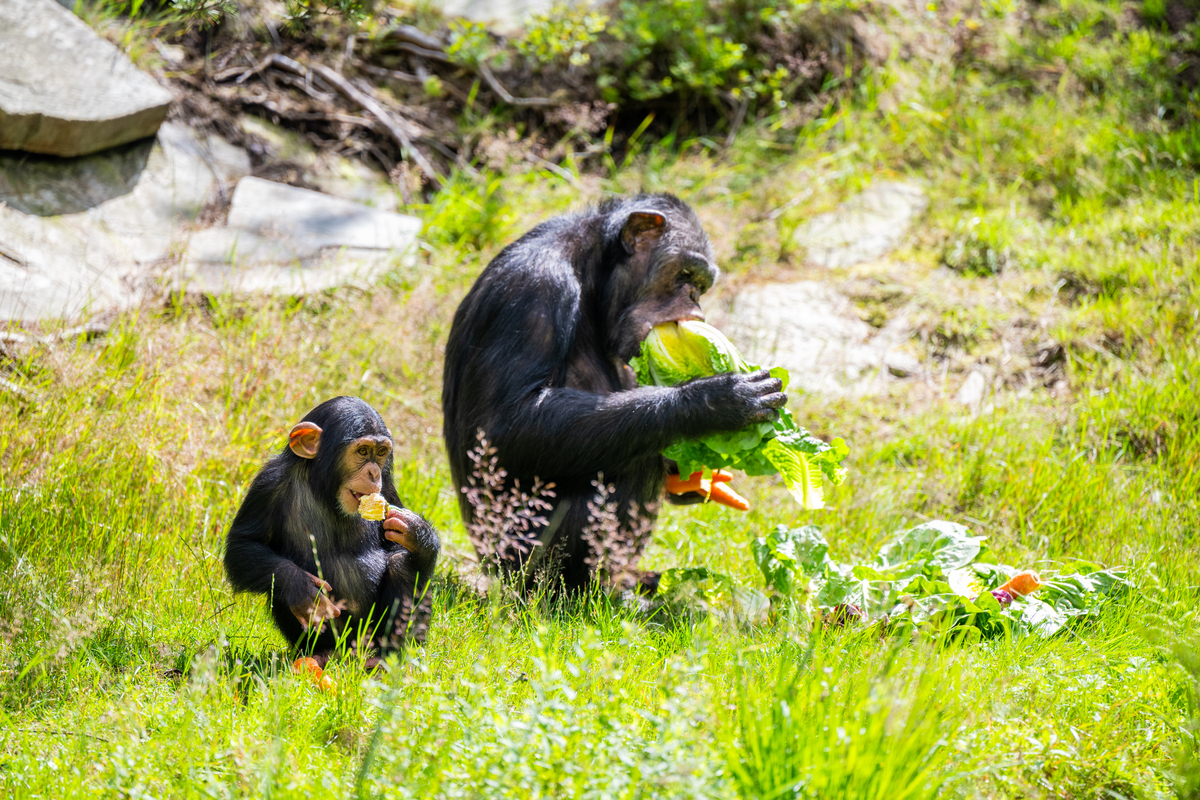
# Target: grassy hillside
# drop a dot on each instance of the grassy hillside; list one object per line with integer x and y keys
{"x": 1058, "y": 142}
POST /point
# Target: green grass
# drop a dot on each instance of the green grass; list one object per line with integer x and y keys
{"x": 127, "y": 668}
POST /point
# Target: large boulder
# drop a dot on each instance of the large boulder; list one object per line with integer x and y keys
{"x": 98, "y": 232}
{"x": 65, "y": 91}
{"x": 810, "y": 328}
{"x": 286, "y": 240}
{"x": 864, "y": 228}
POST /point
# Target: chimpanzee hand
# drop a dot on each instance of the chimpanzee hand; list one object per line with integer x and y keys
{"x": 734, "y": 400}
{"x": 399, "y": 526}
{"x": 319, "y": 608}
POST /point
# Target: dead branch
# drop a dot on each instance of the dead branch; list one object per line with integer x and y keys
{"x": 306, "y": 86}
{"x": 486, "y": 73}
{"x": 414, "y": 36}
{"x": 381, "y": 72}
{"x": 421, "y": 52}
{"x": 389, "y": 122}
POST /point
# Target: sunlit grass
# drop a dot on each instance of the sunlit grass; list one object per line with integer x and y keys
{"x": 127, "y": 668}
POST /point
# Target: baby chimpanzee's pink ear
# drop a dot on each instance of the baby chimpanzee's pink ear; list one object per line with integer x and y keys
{"x": 304, "y": 439}
{"x": 642, "y": 226}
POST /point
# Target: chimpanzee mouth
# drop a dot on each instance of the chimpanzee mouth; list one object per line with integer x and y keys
{"x": 649, "y": 326}
{"x": 356, "y": 495}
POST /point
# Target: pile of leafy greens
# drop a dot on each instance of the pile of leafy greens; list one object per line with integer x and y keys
{"x": 936, "y": 574}
{"x": 680, "y": 351}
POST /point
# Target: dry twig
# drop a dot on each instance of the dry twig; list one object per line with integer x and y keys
{"x": 503, "y": 94}
{"x": 390, "y": 123}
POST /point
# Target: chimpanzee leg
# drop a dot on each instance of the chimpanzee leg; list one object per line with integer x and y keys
{"x": 405, "y": 602}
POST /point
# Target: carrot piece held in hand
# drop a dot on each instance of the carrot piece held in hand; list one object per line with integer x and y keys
{"x": 713, "y": 489}
{"x": 725, "y": 495}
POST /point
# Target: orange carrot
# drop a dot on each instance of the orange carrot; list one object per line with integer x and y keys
{"x": 308, "y": 666}
{"x": 726, "y": 496}
{"x": 1022, "y": 583}
{"x": 712, "y": 489}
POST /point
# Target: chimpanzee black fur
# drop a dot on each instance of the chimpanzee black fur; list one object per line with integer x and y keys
{"x": 538, "y": 354}
{"x": 269, "y": 549}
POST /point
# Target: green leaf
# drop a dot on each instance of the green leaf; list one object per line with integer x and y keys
{"x": 939, "y": 544}
{"x": 679, "y": 351}
{"x": 787, "y": 557}
{"x": 1035, "y": 617}
{"x": 839, "y": 586}
{"x": 800, "y": 476}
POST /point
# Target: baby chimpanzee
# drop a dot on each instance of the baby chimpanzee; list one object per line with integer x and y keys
{"x": 298, "y": 537}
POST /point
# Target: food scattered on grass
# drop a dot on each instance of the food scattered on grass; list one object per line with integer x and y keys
{"x": 309, "y": 668}
{"x": 936, "y": 578}
{"x": 935, "y": 574}
{"x": 675, "y": 352}
{"x": 1021, "y": 584}
{"x": 372, "y": 507}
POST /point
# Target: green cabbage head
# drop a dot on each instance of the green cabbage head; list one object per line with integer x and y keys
{"x": 675, "y": 352}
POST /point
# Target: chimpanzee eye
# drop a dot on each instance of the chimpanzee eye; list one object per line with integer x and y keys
{"x": 363, "y": 450}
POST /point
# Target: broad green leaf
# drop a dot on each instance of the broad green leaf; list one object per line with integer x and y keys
{"x": 800, "y": 476}
{"x": 839, "y": 587}
{"x": 940, "y": 544}
{"x": 1034, "y": 616}
{"x": 787, "y": 557}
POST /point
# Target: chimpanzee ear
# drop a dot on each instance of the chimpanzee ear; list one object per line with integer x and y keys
{"x": 304, "y": 439}
{"x": 641, "y": 228}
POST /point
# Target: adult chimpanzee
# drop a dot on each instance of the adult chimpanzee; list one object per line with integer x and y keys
{"x": 298, "y": 538}
{"x": 538, "y": 360}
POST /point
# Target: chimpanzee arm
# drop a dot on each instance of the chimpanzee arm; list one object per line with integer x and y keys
{"x": 515, "y": 389}
{"x": 567, "y": 432}
{"x": 250, "y": 563}
{"x": 404, "y": 591}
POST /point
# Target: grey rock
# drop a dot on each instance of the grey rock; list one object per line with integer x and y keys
{"x": 98, "y": 232}
{"x": 864, "y": 228}
{"x": 64, "y": 90}
{"x": 284, "y": 239}
{"x": 502, "y": 16}
{"x": 347, "y": 178}
{"x": 973, "y": 390}
{"x": 810, "y": 329}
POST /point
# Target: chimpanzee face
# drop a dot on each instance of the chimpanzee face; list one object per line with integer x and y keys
{"x": 670, "y": 264}
{"x": 357, "y": 466}
{"x": 362, "y": 469}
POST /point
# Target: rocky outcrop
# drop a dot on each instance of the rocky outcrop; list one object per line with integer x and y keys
{"x": 810, "y": 328}
{"x": 864, "y": 228}
{"x": 285, "y": 239}
{"x": 65, "y": 91}
{"x": 96, "y": 233}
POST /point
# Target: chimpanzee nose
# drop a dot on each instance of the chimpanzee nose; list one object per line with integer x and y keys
{"x": 373, "y": 473}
